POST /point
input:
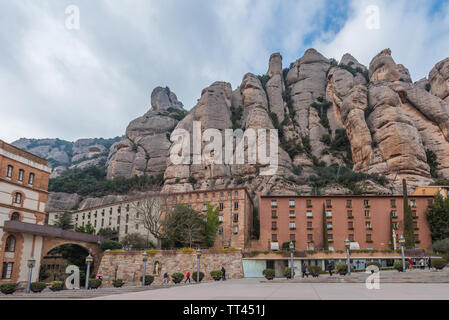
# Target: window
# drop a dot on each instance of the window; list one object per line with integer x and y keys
{"x": 118, "y": 220}
{"x": 368, "y": 224}
{"x": 329, "y": 226}
{"x": 197, "y": 196}
{"x": 221, "y": 194}
{"x": 220, "y": 218}
{"x": 274, "y": 225}
{"x": 110, "y": 210}
{"x": 95, "y": 223}
{"x": 292, "y": 225}
{"x": 309, "y": 203}
{"x": 119, "y": 209}
{"x": 126, "y": 229}
{"x": 20, "y": 176}
{"x": 205, "y": 196}
{"x": 309, "y": 225}
{"x": 7, "y": 270}
{"x": 416, "y": 237}
{"x": 329, "y": 203}
{"x": 236, "y": 217}
{"x": 18, "y": 198}
{"x": 229, "y": 194}
{"x": 190, "y": 196}
{"x": 221, "y": 206}
{"x": 102, "y": 213}
{"x": 31, "y": 179}
{"x": 310, "y": 237}
{"x": 213, "y": 196}
{"x": 349, "y": 203}
{"x": 351, "y": 237}
{"x": 220, "y": 230}
{"x": 350, "y": 225}
{"x": 9, "y": 171}
{"x": 395, "y": 225}
{"x": 236, "y": 193}
{"x": 412, "y": 203}
{"x": 292, "y": 214}
{"x": 137, "y": 227}
{"x": 330, "y": 237}
{"x": 329, "y": 214}
{"x": 127, "y": 208}
{"x": 368, "y": 238}
{"x": 414, "y": 213}
{"x": 236, "y": 229}
{"x": 394, "y": 213}
{"x": 274, "y": 214}
{"x": 291, "y": 203}
{"x": 350, "y": 213}
{"x": 15, "y": 216}
{"x": 366, "y": 203}
{"x": 102, "y": 222}
{"x": 367, "y": 213}
{"x": 127, "y": 218}
{"x": 10, "y": 245}
{"x": 292, "y": 237}
{"x": 204, "y": 206}
{"x": 331, "y": 248}
{"x": 415, "y": 225}
{"x": 274, "y": 203}
{"x": 393, "y": 203}
{"x": 182, "y": 197}
{"x": 236, "y": 205}
{"x": 309, "y": 214}
{"x": 274, "y": 237}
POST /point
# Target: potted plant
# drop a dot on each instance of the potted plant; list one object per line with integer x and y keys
{"x": 438, "y": 263}
{"x": 149, "y": 279}
{"x": 288, "y": 272}
{"x": 398, "y": 265}
{"x": 94, "y": 283}
{"x": 37, "y": 287}
{"x": 194, "y": 275}
{"x": 315, "y": 271}
{"x": 342, "y": 269}
{"x": 118, "y": 283}
{"x": 216, "y": 274}
{"x": 177, "y": 277}
{"x": 56, "y": 285}
{"x": 269, "y": 274}
{"x": 8, "y": 288}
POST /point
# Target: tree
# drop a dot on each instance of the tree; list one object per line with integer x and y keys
{"x": 136, "y": 241}
{"x": 437, "y": 215}
{"x": 87, "y": 229}
{"x": 110, "y": 245}
{"x": 409, "y": 233}
{"x": 149, "y": 214}
{"x": 183, "y": 226}
{"x": 212, "y": 224}
{"x": 108, "y": 234}
{"x": 325, "y": 240}
{"x": 65, "y": 221}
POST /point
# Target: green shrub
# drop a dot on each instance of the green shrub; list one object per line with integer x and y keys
{"x": 441, "y": 246}
{"x": 38, "y": 286}
{"x": 177, "y": 276}
{"x": 192, "y": 180}
{"x": 288, "y": 271}
{"x": 398, "y": 265}
{"x": 314, "y": 269}
{"x": 269, "y": 273}
{"x": 148, "y": 279}
{"x": 94, "y": 283}
{"x": 8, "y": 288}
{"x": 110, "y": 245}
{"x": 201, "y": 275}
{"x": 342, "y": 267}
{"x": 377, "y": 264}
{"x": 56, "y": 284}
{"x": 438, "y": 263}
{"x": 117, "y": 281}
{"x": 216, "y": 273}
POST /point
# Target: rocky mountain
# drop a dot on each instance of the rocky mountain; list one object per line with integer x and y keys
{"x": 63, "y": 155}
{"x": 343, "y": 128}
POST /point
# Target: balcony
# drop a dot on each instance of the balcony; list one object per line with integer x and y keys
{"x": 309, "y": 228}
{"x": 369, "y": 241}
{"x": 369, "y": 228}
{"x": 274, "y": 217}
{"x": 415, "y": 217}
{"x": 294, "y": 228}
{"x": 350, "y": 217}
{"x": 274, "y": 228}
{"x": 350, "y": 228}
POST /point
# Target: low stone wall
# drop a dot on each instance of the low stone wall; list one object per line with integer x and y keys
{"x": 129, "y": 264}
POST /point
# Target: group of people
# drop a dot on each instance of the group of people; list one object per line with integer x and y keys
{"x": 166, "y": 276}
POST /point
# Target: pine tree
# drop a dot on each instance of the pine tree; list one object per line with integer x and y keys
{"x": 65, "y": 221}
{"x": 325, "y": 240}
{"x": 409, "y": 234}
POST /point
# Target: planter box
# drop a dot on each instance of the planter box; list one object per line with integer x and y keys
{"x": 217, "y": 278}
{"x": 118, "y": 285}
{"x": 56, "y": 288}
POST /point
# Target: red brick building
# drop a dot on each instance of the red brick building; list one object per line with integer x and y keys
{"x": 364, "y": 220}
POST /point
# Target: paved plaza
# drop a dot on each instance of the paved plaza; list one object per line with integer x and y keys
{"x": 411, "y": 285}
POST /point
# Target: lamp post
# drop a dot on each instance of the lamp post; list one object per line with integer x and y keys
{"x": 198, "y": 256}
{"x": 348, "y": 261}
{"x": 31, "y": 263}
{"x": 89, "y": 260}
{"x": 292, "y": 268}
{"x": 402, "y": 243}
{"x": 144, "y": 259}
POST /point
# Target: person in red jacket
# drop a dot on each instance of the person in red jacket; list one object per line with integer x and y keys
{"x": 187, "y": 277}
{"x": 411, "y": 262}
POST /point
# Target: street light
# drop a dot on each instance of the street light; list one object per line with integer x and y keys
{"x": 292, "y": 250}
{"x": 402, "y": 243}
{"x": 348, "y": 261}
{"x": 89, "y": 260}
{"x": 198, "y": 256}
{"x": 31, "y": 263}
{"x": 144, "y": 259}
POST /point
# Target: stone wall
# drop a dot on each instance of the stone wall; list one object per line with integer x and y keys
{"x": 130, "y": 266}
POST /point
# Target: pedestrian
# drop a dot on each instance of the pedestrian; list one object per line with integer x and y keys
{"x": 411, "y": 262}
{"x": 187, "y": 277}
{"x": 330, "y": 267}
{"x": 429, "y": 263}
{"x": 223, "y": 270}
{"x": 166, "y": 277}
{"x": 421, "y": 264}
{"x": 304, "y": 270}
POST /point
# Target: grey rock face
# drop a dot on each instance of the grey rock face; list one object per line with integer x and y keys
{"x": 62, "y": 201}
{"x": 439, "y": 80}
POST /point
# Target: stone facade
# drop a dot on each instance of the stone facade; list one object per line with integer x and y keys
{"x": 129, "y": 264}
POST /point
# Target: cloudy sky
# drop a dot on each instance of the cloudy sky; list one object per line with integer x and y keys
{"x": 57, "y": 81}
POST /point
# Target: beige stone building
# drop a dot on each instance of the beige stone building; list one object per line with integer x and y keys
{"x": 235, "y": 207}
{"x": 23, "y": 195}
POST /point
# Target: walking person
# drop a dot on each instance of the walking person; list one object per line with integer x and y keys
{"x": 223, "y": 270}
{"x": 304, "y": 270}
{"x": 411, "y": 263}
{"x": 165, "y": 278}
{"x": 429, "y": 263}
{"x": 421, "y": 264}
{"x": 187, "y": 277}
{"x": 330, "y": 267}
